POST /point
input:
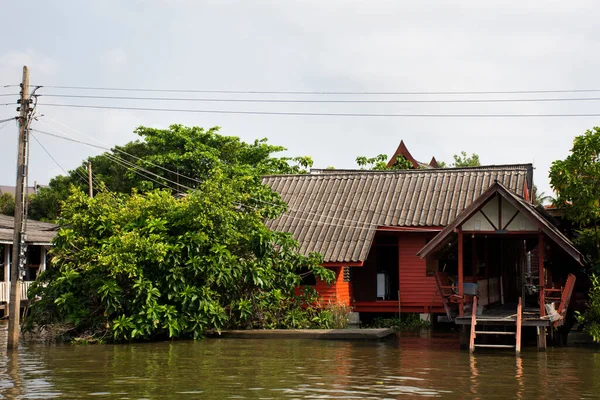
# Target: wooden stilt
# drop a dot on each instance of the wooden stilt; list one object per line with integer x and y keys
{"x": 541, "y": 272}
{"x": 519, "y": 321}
{"x": 473, "y": 325}
{"x": 464, "y": 337}
{"x": 541, "y": 339}
{"x": 461, "y": 278}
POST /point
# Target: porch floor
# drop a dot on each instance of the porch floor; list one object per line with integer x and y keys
{"x": 505, "y": 315}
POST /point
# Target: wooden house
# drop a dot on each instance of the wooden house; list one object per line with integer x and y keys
{"x": 39, "y": 239}
{"x": 388, "y": 234}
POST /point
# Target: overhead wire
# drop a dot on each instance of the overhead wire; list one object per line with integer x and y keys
{"x": 292, "y": 113}
{"x": 320, "y": 216}
{"x": 301, "y": 92}
{"x": 361, "y": 101}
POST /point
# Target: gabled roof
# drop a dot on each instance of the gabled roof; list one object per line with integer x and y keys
{"x": 527, "y": 209}
{"x": 402, "y": 150}
{"x": 337, "y": 214}
{"x": 37, "y": 232}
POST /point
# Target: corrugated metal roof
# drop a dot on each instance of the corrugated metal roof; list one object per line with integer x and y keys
{"x": 37, "y": 232}
{"x": 336, "y": 214}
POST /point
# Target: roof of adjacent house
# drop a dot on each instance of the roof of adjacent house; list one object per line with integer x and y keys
{"x": 337, "y": 214}
{"x": 529, "y": 210}
{"x": 11, "y": 190}
{"x": 37, "y": 232}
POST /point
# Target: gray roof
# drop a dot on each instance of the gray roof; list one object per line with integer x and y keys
{"x": 37, "y": 232}
{"x": 11, "y": 190}
{"x": 337, "y": 214}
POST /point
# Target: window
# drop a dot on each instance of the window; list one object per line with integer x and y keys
{"x": 308, "y": 278}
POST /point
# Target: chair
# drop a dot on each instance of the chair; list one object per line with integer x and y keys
{"x": 562, "y": 295}
{"x": 448, "y": 292}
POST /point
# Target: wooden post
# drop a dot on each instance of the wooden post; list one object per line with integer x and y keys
{"x": 473, "y": 325}
{"x": 19, "y": 227}
{"x": 461, "y": 279}
{"x": 519, "y": 321}
{"x": 90, "y": 181}
{"x": 541, "y": 339}
{"x": 541, "y": 273}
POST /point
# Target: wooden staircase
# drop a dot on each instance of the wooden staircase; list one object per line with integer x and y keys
{"x": 495, "y": 333}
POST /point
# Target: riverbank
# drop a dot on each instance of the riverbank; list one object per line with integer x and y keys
{"x": 320, "y": 334}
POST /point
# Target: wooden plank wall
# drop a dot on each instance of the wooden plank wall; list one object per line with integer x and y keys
{"x": 416, "y": 288}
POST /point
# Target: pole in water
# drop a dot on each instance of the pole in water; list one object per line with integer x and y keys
{"x": 19, "y": 235}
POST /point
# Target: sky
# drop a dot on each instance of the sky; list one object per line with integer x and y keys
{"x": 316, "y": 46}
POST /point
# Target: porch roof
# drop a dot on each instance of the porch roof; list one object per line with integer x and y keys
{"x": 528, "y": 210}
{"x": 337, "y": 213}
{"x": 37, "y": 232}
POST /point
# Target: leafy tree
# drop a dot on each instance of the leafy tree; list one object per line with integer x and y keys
{"x": 541, "y": 197}
{"x": 179, "y": 157}
{"x": 463, "y": 160}
{"x": 576, "y": 180}
{"x": 379, "y": 163}
{"x": 7, "y": 204}
{"x": 150, "y": 265}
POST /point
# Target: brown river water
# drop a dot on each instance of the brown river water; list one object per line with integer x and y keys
{"x": 413, "y": 366}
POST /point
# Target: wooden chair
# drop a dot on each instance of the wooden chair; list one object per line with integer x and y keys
{"x": 448, "y": 292}
{"x": 562, "y": 295}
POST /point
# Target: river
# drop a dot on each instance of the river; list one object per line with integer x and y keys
{"x": 413, "y": 366}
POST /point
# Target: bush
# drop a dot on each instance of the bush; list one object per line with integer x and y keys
{"x": 591, "y": 317}
{"x": 410, "y": 322}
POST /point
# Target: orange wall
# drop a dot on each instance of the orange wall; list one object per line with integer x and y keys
{"x": 338, "y": 292}
{"x": 416, "y": 289}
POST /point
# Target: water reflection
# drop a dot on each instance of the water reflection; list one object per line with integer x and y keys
{"x": 414, "y": 366}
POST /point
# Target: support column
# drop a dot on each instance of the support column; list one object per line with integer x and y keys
{"x": 43, "y": 260}
{"x": 6, "y": 262}
{"x": 541, "y": 339}
{"x": 541, "y": 274}
{"x": 461, "y": 278}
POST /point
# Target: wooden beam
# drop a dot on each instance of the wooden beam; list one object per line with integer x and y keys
{"x": 343, "y": 264}
{"x": 461, "y": 278}
{"x": 541, "y": 273}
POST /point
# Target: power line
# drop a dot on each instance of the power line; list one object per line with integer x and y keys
{"x": 214, "y": 100}
{"x": 319, "y": 114}
{"x": 9, "y": 94}
{"x": 322, "y": 218}
{"x": 8, "y": 119}
{"x": 322, "y": 92}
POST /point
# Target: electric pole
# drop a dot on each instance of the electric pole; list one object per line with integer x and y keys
{"x": 89, "y": 168}
{"x": 19, "y": 247}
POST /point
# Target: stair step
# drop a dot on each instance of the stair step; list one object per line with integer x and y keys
{"x": 496, "y": 346}
{"x": 494, "y": 333}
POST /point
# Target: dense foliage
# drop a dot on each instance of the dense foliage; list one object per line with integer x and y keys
{"x": 576, "y": 180}
{"x": 7, "y": 204}
{"x": 179, "y": 157}
{"x": 379, "y": 163}
{"x": 149, "y": 265}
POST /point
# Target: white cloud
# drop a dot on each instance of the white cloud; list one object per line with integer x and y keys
{"x": 43, "y": 65}
{"x": 114, "y": 57}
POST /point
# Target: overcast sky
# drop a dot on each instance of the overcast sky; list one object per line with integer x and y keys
{"x": 316, "y": 45}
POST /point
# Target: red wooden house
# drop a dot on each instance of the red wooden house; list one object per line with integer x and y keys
{"x": 387, "y": 233}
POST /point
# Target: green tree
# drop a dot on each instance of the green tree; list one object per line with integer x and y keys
{"x": 178, "y": 157}
{"x": 147, "y": 266}
{"x": 576, "y": 180}
{"x": 463, "y": 160}
{"x": 7, "y": 204}
{"x": 379, "y": 163}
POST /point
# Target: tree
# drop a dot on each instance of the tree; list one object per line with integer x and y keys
{"x": 540, "y": 197}
{"x": 178, "y": 157}
{"x": 379, "y": 163}
{"x": 462, "y": 160}
{"x": 147, "y": 266}
{"x": 7, "y": 204}
{"x": 576, "y": 180}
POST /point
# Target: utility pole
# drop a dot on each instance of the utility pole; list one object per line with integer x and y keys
{"x": 89, "y": 168}
{"x": 19, "y": 238}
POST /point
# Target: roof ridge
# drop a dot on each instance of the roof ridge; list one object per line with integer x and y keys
{"x": 330, "y": 172}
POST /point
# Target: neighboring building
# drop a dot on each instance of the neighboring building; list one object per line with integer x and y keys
{"x": 39, "y": 239}
{"x": 11, "y": 189}
{"x": 386, "y": 234}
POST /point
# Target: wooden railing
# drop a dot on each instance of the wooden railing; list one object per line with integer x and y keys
{"x": 5, "y": 291}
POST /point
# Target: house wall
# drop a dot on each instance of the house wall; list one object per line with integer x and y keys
{"x": 417, "y": 290}
{"x": 337, "y": 293}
